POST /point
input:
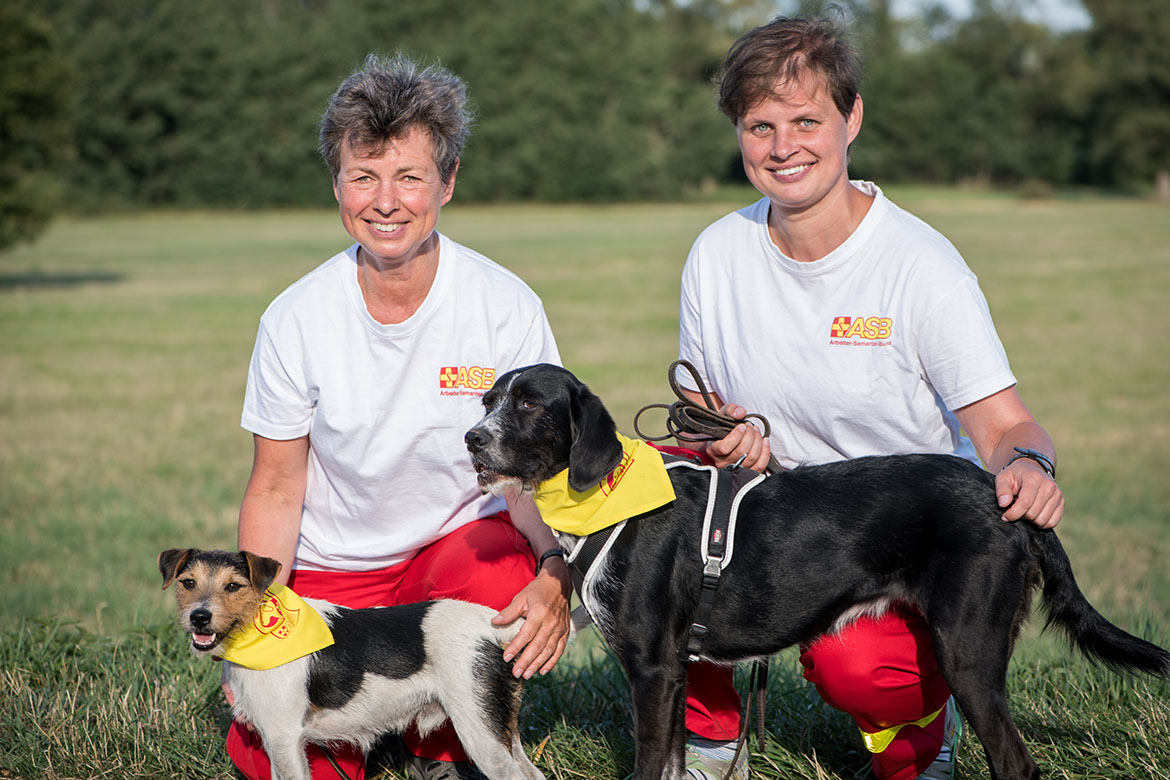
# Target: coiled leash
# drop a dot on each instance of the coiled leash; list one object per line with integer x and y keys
{"x": 687, "y": 421}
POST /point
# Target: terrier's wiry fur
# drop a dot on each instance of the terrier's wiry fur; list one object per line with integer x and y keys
{"x": 388, "y": 667}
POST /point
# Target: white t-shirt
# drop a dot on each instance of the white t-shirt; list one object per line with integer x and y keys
{"x": 386, "y": 406}
{"x": 863, "y": 352}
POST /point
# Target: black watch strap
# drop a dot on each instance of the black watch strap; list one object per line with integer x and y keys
{"x": 555, "y": 552}
{"x": 1035, "y": 456}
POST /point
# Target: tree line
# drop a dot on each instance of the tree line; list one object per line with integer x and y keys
{"x": 144, "y": 103}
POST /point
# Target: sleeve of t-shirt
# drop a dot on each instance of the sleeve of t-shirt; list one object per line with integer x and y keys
{"x": 538, "y": 344}
{"x": 277, "y": 401}
{"x": 960, "y": 351}
{"x": 690, "y": 345}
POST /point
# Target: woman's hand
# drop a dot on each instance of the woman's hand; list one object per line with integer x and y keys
{"x": 1026, "y": 491}
{"x": 745, "y": 441}
{"x": 1000, "y": 426}
{"x": 544, "y": 605}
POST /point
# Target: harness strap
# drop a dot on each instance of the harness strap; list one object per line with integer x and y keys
{"x": 713, "y": 566}
{"x": 585, "y": 553}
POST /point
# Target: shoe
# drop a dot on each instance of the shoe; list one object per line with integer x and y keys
{"x": 943, "y": 767}
{"x": 434, "y": 769}
{"x": 710, "y": 759}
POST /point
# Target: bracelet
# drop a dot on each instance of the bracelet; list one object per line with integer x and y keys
{"x": 555, "y": 552}
{"x": 1035, "y": 456}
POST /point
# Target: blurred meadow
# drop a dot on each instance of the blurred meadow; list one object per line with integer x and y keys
{"x": 125, "y": 342}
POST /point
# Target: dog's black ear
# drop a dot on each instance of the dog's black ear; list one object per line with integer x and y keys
{"x": 261, "y": 571}
{"x": 596, "y": 450}
{"x": 169, "y": 563}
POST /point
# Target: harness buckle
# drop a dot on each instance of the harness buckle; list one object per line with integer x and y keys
{"x": 694, "y": 642}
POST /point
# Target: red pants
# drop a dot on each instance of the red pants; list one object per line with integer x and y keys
{"x": 882, "y": 672}
{"x": 486, "y": 562}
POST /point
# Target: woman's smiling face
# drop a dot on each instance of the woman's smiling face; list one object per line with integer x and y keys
{"x": 390, "y": 200}
{"x": 795, "y": 144}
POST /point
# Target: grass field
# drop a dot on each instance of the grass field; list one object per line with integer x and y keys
{"x": 124, "y": 344}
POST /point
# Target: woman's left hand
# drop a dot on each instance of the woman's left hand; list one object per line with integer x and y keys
{"x": 1026, "y": 491}
{"x": 544, "y": 605}
{"x": 1000, "y": 426}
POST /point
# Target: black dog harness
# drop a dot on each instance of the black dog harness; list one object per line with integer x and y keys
{"x": 727, "y": 488}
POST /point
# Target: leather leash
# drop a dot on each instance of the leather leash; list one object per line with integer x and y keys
{"x": 690, "y": 422}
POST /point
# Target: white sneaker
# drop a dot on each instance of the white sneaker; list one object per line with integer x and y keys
{"x": 943, "y": 767}
{"x": 710, "y": 759}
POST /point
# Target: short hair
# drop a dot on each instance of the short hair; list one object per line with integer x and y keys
{"x": 784, "y": 50}
{"x": 385, "y": 98}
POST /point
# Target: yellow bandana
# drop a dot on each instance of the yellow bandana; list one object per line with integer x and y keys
{"x": 285, "y": 628}
{"x": 638, "y": 484}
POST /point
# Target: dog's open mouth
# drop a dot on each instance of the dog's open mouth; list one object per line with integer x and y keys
{"x": 492, "y": 481}
{"x": 484, "y": 475}
{"x": 204, "y": 642}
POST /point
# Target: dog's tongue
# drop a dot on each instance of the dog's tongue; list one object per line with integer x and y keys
{"x": 204, "y": 640}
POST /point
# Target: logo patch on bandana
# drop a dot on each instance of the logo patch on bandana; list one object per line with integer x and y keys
{"x": 285, "y": 628}
{"x": 613, "y": 478}
{"x": 276, "y": 619}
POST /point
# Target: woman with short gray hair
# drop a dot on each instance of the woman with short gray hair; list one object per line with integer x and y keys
{"x": 365, "y": 375}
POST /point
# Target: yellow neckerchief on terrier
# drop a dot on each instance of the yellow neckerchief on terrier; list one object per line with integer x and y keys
{"x": 638, "y": 484}
{"x": 285, "y": 628}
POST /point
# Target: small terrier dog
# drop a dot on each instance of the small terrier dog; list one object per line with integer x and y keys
{"x": 388, "y": 667}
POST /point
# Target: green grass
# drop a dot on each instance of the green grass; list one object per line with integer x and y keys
{"x": 124, "y": 344}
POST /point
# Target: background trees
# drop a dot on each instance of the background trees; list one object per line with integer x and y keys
{"x": 35, "y": 133}
{"x": 128, "y": 103}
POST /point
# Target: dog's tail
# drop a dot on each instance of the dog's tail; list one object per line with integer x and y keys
{"x": 1085, "y": 627}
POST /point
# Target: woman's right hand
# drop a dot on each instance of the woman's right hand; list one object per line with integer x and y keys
{"x": 744, "y": 441}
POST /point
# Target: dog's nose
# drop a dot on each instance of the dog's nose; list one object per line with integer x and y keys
{"x": 200, "y": 618}
{"x": 476, "y": 439}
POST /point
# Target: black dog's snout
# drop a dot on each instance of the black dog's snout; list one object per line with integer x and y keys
{"x": 200, "y": 618}
{"x": 476, "y": 439}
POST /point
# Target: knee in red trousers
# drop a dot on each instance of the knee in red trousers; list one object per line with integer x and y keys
{"x": 883, "y": 672}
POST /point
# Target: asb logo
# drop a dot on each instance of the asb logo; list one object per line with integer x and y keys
{"x": 466, "y": 378}
{"x": 275, "y": 619}
{"x": 867, "y": 328}
{"x": 615, "y": 477}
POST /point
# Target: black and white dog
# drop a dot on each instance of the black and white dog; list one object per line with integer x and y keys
{"x": 816, "y": 546}
{"x": 388, "y": 667}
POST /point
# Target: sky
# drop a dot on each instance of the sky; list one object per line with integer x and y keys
{"x": 1060, "y": 15}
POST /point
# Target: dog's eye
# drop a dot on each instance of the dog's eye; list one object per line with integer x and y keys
{"x": 188, "y": 583}
{"x": 526, "y": 404}
{"x": 232, "y": 587}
